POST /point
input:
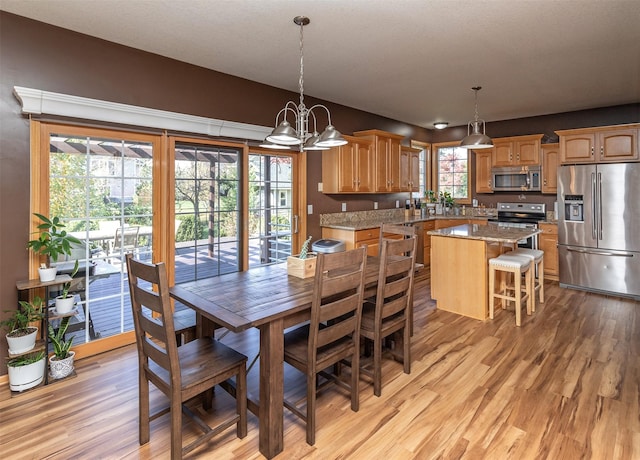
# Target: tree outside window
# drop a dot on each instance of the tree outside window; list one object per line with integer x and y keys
{"x": 453, "y": 170}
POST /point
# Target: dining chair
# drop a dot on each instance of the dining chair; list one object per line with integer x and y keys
{"x": 125, "y": 240}
{"x": 403, "y": 231}
{"x": 389, "y": 312}
{"x": 181, "y": 373}
{"x": 333, "y": 333}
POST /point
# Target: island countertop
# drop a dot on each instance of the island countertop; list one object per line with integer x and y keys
{"x": 490, "y": 233}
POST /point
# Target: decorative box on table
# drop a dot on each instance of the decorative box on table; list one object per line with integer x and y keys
{"x": 301, "y": 268}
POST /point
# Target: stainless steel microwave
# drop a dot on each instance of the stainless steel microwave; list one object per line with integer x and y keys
{"x": 515, "y": 178}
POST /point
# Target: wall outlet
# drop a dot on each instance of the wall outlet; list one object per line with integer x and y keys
{"x": 310, "y": 209}
{"x": 319, "y": 186}
{"x": 375, "y": 205}
{"x": 344, "y": 207}
{"x": 397, "y": 203}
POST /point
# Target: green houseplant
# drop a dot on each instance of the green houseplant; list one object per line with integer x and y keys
{"x": 61, "y": 361}
{"x": 52, "y": 242}
{"x": 21, "y": 336}
{"x": 66, "y": 301}
{"x": 26, "y": 371}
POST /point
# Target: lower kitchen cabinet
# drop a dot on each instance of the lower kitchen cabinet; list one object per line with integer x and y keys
{"x": 548, "y": 240}
{"x": 428, "y": 226}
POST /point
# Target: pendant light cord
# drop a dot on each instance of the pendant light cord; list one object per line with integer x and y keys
{"x": 301, "y": 81}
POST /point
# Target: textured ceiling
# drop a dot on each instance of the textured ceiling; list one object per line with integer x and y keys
{"x": 410, "y": 60}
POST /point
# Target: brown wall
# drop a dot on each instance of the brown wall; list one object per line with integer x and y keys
{"x": 41, "y": 56}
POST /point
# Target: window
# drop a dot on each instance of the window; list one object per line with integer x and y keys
{"x": 270, "y": 212}
{"x": 207, "y": 210}
{"x": 452, "y": 165}
{"x": 100, "y": 185}
{"x": 425, "y": 165}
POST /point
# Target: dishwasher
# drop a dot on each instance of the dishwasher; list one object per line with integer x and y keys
{"x": 419, "y": 229}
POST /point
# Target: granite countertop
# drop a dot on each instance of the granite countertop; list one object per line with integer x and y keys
{"x": 491, "y": 233}
{"x": 363, "y": 220}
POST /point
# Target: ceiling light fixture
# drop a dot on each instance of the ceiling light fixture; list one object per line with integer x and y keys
{"x": 285, "y": 134}
{"x": 440, "y": 124}
{"x": 476, "y": 139}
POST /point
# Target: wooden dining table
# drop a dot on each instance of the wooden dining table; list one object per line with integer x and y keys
{"x": 271, "y": 300}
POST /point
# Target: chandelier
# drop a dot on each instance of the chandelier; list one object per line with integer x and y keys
{"x": 284, "y": 133}
{"x": 476, "y": 139}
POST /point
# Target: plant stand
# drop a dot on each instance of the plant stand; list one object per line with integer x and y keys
{"x": 50, "y": 314}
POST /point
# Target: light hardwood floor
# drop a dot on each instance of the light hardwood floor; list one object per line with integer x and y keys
{"x": 566, "y": 385}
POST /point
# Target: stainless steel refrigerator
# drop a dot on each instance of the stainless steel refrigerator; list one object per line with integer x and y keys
{"x": 599, "y": 227}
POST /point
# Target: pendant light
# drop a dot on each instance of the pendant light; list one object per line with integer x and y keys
{"x": 476, "y": 139}
{"x": 286, "y": 134}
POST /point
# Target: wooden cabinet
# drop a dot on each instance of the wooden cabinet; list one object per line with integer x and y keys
{"x": 550, "y": 161}
{"x": 599, "y": 145}
{"x": 348, "y": 168}
{"x": 386, "y": 153}
{"x": 409, "y": 169}
{"x": 548, "y": 242}
{"x": 517, "y": 151}
{"x": 428, "y": 226}
{"x": 356, "y": 238}
{"x": 483, "y": 170}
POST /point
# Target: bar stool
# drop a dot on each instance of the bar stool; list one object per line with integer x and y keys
{"x": 537, "y": 256}
{"x": 518, "y": 266}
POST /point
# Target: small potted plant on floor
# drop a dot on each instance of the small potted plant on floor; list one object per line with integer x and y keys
{"x": 61, "y": 361}
{"x": 22, "y": 335}
{"x": 26, "y": 371}
{"x": 52, "y": 242}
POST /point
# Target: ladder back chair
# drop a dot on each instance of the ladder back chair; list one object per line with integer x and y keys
{"x": 333, "y": 334}
{"x": 389, "y": 312}
{"x": 181, "y": 373}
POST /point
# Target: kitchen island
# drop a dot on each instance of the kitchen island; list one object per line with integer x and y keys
{"x": 460, "y": 265}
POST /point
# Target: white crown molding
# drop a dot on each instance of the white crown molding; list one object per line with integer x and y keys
{"x": 35, "y": 101}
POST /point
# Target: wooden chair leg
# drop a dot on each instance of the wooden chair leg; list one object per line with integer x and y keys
{"x": 541, "y": 279}
{"x": 406, "y": 351}
{"x": 176, "y": 429}
{"x": 311, "y": 409}
{"x": 492, "y": 283}
{"x": 241, "y": 403}
{"x": 518, "y": 294}
{"x": 355, "y": 382}
{"x": 377, "y": 366}
{"x": 143, "y": 408}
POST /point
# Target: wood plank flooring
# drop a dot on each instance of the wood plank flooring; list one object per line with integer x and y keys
{"x": 566, "y": 385}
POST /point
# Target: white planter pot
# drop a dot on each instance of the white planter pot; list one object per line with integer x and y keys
{"x": 65, "y": 305}
{"x": 47, "y": 274}
{"x": 61, "y": 368}
{"x": 22, "y": 343}
{"x": 24, "y": 377}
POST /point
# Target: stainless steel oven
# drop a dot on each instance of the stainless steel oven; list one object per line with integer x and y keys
{"x": 525, "y": 215}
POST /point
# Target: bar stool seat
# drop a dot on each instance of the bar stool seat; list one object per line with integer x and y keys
{"x": 538, "y": 259}
{"x": 518, "y": 266}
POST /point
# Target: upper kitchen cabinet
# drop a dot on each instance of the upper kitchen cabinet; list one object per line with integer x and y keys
{"x": 483, "y": 170}
{"x": 348, "y": 168}
{"x": 409, "y": 169}
{"x": 607, "y": 144}
{"x": 517, "y": 150}
{"x": 550, "y": 157}
{"x": 387, "y": 157}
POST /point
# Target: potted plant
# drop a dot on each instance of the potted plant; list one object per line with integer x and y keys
{"x": 26, "y": 371}
{"x": 61, "y": 361}
{"x": 52, "y": 242}
{"x": 431, "y": 200}
{"x": 66, "y": 301}
{"x": 22, "y": 336}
